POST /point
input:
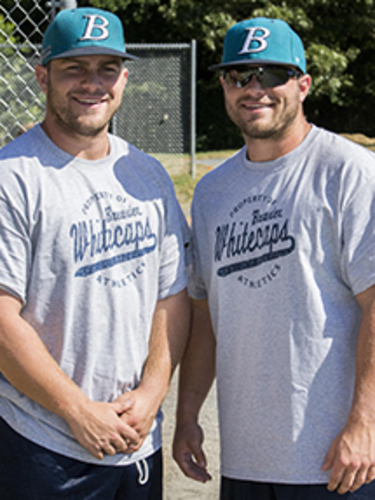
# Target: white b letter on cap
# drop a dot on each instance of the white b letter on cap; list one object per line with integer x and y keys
{"x": 251, "y": 37}
{"x": 91, "y": 26}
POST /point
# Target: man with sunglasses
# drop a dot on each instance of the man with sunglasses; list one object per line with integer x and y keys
{"x": 283, "y": 289}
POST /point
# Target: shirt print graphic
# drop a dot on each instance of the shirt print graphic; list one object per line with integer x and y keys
{"x": 118, "y": 232}
{"x": 257, "y": 233}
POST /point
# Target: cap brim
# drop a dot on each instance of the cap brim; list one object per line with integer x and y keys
{"x": 93, "y": 50}
{"x": 250, "y": 62}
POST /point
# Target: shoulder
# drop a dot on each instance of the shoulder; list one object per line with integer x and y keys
{"x": 146, "y": 168}
{"x": 23, "y": 145}
{"x": 344, "y": 170}
{"x": 125, "y": 148}
{"x": 22, "y": 160}
{"x": 336, "y": 158}
{"x": 341, "y": 149}
{"x": 224, "y": 171}
{"x": 220, "y": 177}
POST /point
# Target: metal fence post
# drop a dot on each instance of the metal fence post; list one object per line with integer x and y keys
{"x": 62, "y": 4}
{"x": 193, "y": 105}
{"x": 68, "y": 4}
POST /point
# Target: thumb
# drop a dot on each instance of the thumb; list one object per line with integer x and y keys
{"x": 201, "y": 463}
{"x": 329, "y": 459}
{"x": 123, "y": 403}
{"x": 199, "y": 456}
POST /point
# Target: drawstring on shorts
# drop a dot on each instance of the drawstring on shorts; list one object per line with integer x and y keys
{"x": 143, "y": 472}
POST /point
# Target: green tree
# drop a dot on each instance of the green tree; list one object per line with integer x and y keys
{"x": 338, "y": 37}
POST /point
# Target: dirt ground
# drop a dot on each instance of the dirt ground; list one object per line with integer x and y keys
{"x": 176, "y": 485}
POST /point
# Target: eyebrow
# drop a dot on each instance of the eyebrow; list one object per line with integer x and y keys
{"x": 79, "y": 60}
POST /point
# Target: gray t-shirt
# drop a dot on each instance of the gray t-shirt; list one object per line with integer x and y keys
{"x": 89, "y": 247}
{"x": 281, "y": 248}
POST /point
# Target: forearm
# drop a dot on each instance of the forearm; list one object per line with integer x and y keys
{"x": 170, "y": 330}
{"x": 29, "y": 367}
{"x": 197, "y": 370}
{"x": 197, "y": 373}
{"x": 351, "y": 456}
{"x": 168, "y": 337}
{"x": 363, "y": 405}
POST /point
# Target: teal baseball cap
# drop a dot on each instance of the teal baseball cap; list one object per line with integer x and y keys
{"x": 262, "y": 41}
{"x": 84, "y": 31}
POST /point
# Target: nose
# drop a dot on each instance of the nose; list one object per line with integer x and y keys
{"x": 91, "y": 79}
{"x": 254, "y": 86}
{"x": 253, "y": 81}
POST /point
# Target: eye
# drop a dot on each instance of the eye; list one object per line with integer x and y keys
{"x": 231, "y": 80}
{"x": 111, "y": 69}
{"x": 73, "y": 67}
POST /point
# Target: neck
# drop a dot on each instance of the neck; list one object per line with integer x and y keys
{"x": 268, "y": 149}
{"x": 79, "y": 146}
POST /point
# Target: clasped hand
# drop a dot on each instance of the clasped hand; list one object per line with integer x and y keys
{"x": 117, "y": 427}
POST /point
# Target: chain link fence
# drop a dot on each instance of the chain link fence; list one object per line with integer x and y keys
{"x": 158, "y": 110}
{"x": 21, "y": 101}
{"x": 155, "y": 114}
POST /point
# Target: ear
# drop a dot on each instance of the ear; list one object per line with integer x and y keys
{"x": 124, "y": 76}
{"x": 222, "y": 81}
{"x": 42, "y": 77}
{"x": 304, "y": 82}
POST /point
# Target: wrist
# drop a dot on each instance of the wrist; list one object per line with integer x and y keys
{"x": 75, "y": 408}
{"x": 187, "y": 413}
{"x": 154, "y": 391}
{"x": 362, "y": 413}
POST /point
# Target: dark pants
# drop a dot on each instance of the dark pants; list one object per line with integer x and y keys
{"x": 233, "y": 489}
{"x": 31, "y": 472}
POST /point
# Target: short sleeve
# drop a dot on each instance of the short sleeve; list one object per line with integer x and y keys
{"x": 358, "y": 236}
{"x": 175, "y": 248}
{"x": 15, "y": 250}
{"x": 196, "y": 287}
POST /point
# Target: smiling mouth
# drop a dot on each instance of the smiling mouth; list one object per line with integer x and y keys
{"x": 89, "y": 101}
{"x": 256, "y": 106}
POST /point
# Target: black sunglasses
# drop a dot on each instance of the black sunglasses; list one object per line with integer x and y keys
{"x": 267, "y": 76}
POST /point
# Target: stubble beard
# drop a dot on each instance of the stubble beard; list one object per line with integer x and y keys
{"x": 69, "y": 123}
{"x": 74, "y": 128}
{"x": 255, "y": 128}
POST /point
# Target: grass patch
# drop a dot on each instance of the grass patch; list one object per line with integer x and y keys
{"x": 362, "y": 140}
{"x": 184, "y": 185}
{"x": 215, "y": 154}
{"x": 179, "y": 168}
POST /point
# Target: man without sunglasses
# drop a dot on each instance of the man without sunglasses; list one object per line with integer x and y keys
{"x": 93, "y": 308}
{"x": 283, "y": 287}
